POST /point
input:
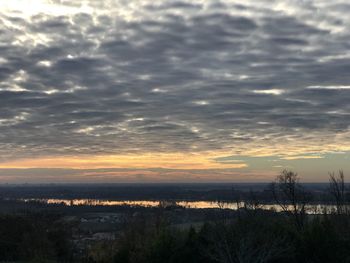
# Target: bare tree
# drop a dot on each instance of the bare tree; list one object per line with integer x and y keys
{"x": 237, "y": 199}
{"x": 338, "y": 191}
{"x": 291, "y": 196}
{"x": 246, "y": 244}
{"x": 252, "y": 202}
{"x": 249, "y": 252}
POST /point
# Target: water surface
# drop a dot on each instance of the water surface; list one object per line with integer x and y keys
{"x": 311, "y": 209}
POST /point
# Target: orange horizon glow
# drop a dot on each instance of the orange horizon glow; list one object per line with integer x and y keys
{"x": 145, "y": 161}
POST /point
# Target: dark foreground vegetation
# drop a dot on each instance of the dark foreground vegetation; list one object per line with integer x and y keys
{"x": 248, "y": 235}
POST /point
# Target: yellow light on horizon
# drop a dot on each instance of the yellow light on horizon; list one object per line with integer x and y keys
{"x": 144, "y": 161}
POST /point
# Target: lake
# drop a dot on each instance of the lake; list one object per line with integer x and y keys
{"x": 311, "y": 209}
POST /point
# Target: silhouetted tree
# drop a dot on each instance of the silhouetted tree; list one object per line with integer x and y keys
{"x": 338, "y": 191}
{"x": 290, "y": 195}
{"x": 250, "y": 240}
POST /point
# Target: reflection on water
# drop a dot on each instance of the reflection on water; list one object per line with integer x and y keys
{"x": 311, "y": 209}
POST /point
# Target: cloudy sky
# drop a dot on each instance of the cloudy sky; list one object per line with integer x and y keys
{"x": 173, "y": 91}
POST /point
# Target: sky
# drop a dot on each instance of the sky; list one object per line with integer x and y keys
{"x": 173, "y": 91}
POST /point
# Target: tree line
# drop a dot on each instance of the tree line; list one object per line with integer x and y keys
{"x": 249, "y": 235}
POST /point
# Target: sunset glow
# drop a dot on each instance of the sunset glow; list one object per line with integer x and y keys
{"x": 151, "y": 160}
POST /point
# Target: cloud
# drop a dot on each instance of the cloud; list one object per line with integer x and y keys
{"x": 329, "y": 87}
{"x": 298, "y": 157}
{"x": 40, "y": 175}
{"x": 269, "y": 91}
{"x": 118, "y": 77}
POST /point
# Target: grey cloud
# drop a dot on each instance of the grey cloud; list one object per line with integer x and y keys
{"x": 187, "y": 76}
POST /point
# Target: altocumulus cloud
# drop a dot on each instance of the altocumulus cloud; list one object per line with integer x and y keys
{"x": 114, "y": 77}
